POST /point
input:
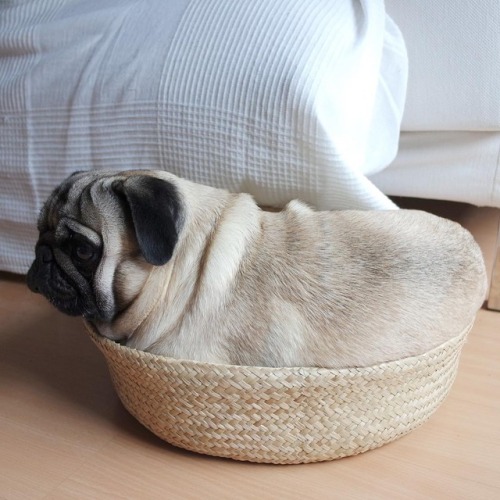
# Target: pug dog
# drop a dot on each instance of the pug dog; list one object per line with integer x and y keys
{"x": 179, "y": 269}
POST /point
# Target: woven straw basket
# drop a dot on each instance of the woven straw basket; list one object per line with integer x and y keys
{"x": 280, "y": 415}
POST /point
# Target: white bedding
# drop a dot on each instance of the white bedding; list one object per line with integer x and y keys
{"x": 450, "y": 145}
{"x": 283, "y": 99}
{"x": 455, "y": 166}
{"x": 454, "y": 52}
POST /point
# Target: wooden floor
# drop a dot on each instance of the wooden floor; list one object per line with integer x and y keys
{"x": 64, "y": 434}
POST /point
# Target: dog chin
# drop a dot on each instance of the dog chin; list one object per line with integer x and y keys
{"x": 70, "y": 307}
{"x": 74, "y": 306}
{"x": 59, "y": 291}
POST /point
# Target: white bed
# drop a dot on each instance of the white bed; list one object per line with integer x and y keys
{"x": 450, "y": 142}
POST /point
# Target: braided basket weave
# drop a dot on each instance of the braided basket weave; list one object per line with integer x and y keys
{"x": 280, "y": 415}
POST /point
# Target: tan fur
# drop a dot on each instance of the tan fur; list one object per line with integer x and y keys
{"x": 247, "y": 286}
{"x": 298, "y": 287}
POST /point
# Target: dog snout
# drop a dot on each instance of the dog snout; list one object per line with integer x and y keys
{"x": 44, "y": 254}
{"x": 32, "y": 285}
{"x": 32, "y": 278}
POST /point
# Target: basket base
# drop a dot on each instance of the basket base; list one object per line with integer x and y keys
{"x": 280, "y": 415}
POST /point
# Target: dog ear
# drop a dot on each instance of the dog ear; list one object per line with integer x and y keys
{"x": 155, "y": 210}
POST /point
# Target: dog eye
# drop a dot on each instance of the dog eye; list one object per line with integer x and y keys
{"x": 84, "y": 252}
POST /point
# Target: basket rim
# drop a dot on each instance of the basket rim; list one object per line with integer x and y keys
{"x": 130, "y": 351}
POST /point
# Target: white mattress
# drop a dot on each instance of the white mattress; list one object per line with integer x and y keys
{"x": 454, "y": 72}
{"x": 283, "y": 99}
{"x": 455, "y": 166}
{"x": 450, "y": 145}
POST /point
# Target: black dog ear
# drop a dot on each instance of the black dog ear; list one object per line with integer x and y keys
{"x": 155, "y": 209}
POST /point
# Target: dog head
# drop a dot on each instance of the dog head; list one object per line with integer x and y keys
{"x": 100, "y": 233}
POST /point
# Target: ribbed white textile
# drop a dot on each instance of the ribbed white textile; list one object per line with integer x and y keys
{"x": 280, "y": 98}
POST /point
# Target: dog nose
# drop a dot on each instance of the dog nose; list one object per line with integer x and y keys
{"x": 33, "y": 286}
{"x": 44, "y": 253}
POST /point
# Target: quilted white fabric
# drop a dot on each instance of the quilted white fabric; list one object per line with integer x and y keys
{"x": 280, "y": 98}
